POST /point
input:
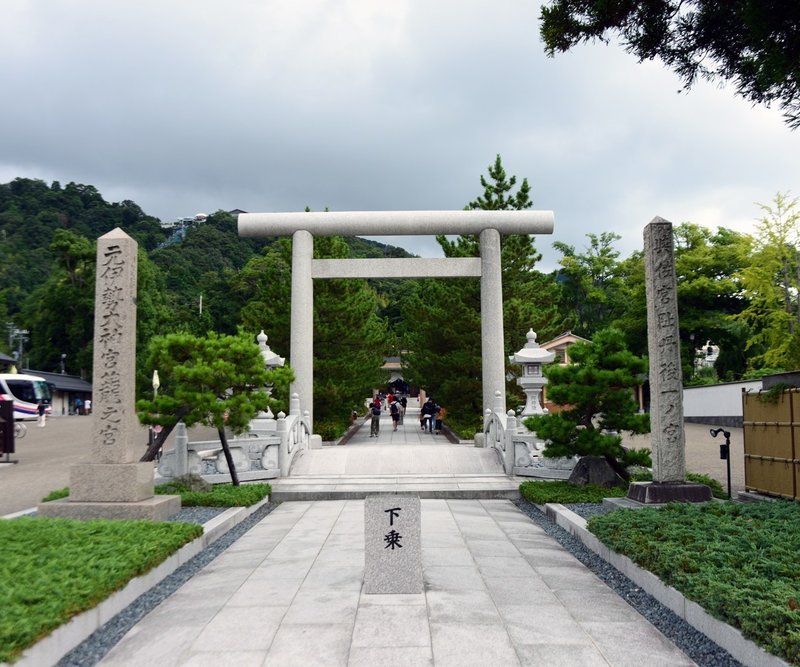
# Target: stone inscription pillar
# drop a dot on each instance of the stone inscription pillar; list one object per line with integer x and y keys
{"x": 114, "y": 380}
{"x": 663, "y": 342}
{"x": 492, "y": 344}
{"x": 666, "y": 380}
{"x": 114, "y": 484}
{"x": 302, "y": 321}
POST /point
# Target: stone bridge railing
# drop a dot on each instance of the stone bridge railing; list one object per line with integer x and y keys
{"x": 520, "y": 450}
{"x": 264, "y": 452}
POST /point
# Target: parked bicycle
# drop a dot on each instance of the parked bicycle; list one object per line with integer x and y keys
{"x": 20, "y": 430}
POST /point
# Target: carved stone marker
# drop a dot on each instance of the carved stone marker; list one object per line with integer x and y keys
{"x": 666, "y": 378}
{"x": 114, "y": 484}
{"x": 392, "y": 549}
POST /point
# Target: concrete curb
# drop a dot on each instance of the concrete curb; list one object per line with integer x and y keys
{"x": 724, "y": 635}
{"x": 53, "y": 647}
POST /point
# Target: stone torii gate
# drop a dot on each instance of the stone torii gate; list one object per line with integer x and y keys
{"x": 488, "y": 225}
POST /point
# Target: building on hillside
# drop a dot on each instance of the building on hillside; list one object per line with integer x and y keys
{"x": 70, "y": 392}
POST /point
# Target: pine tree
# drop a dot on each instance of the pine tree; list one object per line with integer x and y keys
{"x": 216, "y": 380}
{"x": 442, "y": 327}
{"x": 596, "y": 394}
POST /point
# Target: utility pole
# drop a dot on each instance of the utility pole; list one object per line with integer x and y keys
{"x": 18, "y": 336}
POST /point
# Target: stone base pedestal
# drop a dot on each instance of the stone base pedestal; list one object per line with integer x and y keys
{"x": 155, "y": 508}
{"x": 657, "y": 493}
{"x": 111, "y": 482}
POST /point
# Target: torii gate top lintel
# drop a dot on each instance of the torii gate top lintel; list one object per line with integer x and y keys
{"x": 303, "y": 226}
{"x": 394, "y": 223}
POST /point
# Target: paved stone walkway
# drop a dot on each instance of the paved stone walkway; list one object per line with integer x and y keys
{"x": 405, "y": 460}
{"x": 498, "y": 592}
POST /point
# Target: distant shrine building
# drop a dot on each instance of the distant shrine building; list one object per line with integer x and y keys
{"x": 487, "y": 225}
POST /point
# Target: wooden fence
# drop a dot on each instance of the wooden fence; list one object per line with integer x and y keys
{"x": 772, "y": 442}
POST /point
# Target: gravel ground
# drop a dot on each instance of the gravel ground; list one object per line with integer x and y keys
{"x": 587, "y": 510}
{"x": 98, "y": 644}
{"x": 695, "y": 644}
{"x": 196, "y": 514}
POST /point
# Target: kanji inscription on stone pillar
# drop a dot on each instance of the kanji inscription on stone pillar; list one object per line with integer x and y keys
{"x": 663, "y": 340}
{"x": 115, "y": 349}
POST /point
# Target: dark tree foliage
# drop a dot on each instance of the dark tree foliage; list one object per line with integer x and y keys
{"x": 592, "y": 289}
{"x": 31, "y": 213}
{"x": 755, "y": 44}
{"x": 350, "y": 341}
{"x": 204, "y": 265}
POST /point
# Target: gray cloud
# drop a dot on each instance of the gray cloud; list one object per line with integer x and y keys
{"x": 196, "y": 106}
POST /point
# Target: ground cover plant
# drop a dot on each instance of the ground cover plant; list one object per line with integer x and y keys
{"x": 54, "y": 569}
{"x": 221, "y": 495}
{"x": 542, "y": 492}
{"x": 737, "y": 560}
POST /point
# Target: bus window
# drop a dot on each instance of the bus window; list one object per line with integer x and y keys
{"x": 29, "y": 391}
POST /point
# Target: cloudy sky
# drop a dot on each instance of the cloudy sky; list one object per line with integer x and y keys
{"x": 188, "y": 106}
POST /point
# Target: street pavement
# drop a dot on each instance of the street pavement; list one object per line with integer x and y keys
{"x": 44, "y": 456}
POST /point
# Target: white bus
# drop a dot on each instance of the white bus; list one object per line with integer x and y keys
{"x": 26, "y": 391}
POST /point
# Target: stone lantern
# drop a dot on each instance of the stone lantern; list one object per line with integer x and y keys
{"x": 264, "y": 420}
{"x": 271, "y": 360}
{"x": 532, "y": 358}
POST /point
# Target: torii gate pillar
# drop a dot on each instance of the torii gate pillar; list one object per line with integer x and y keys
{"x": 301, "y": 339}
{"x": 492, "y": 345}
{"x": 489, "y": 225}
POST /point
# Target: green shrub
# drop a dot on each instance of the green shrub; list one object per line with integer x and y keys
{"x": 330, "y": 430}
{"x": 737, "y": 560}
{"x": 464, "y": 429}
{"x": 222, "y": 495}
{"x": 637, "y": 457}
{"x": 703, "y": 376}
{"x": 58, "y": 494}
{"x": 716, "y": 487}
{"x": 542, "y": 492}
{"x": 54, "y": 569}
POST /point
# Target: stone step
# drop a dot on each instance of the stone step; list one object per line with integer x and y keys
{"x": 335, "y": 487}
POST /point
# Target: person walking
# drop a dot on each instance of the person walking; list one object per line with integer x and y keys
{"x": 403, "y": 406}
{"x": 41, "y": 411}
{"x": 427, "y": 415}
{"x": 394, "y": 411}
{"x": 375, "y": 423}
{"x": 440, "y": 415}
